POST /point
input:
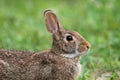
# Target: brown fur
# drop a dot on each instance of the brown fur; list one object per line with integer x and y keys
{"x": 35, "y": 66}
{"x": 61, "y": 62}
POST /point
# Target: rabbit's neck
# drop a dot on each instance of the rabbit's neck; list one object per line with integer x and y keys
{"x": 76, "y": 59}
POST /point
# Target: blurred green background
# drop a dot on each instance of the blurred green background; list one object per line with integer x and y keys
{"x": 22, "y": 27}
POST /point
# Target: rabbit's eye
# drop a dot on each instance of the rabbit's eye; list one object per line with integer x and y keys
{"x": 69, "y": 38}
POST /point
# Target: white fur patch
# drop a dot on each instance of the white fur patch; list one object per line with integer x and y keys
{"x": 73, "y": 55}
{"x": 79, "y": 68}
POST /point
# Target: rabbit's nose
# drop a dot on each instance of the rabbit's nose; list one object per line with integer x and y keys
{"x": 88, "y": 45}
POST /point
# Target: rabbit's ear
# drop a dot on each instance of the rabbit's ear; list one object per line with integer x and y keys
{"x": 52, "y": 23}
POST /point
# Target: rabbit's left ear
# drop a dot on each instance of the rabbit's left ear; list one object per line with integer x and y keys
{"x": 52, "y": 23}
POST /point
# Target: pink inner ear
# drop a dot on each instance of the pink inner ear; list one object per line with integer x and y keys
{"x": 51, "y": 23}
{"x": 53, "y": 29}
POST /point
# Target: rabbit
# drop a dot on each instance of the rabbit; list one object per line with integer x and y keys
{"x": 61, "y": 62}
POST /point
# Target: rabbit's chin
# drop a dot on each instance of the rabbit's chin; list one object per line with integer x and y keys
{"x": 74, "y": 55}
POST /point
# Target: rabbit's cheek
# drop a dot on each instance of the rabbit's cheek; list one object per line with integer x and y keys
{"x": 69, "y": 47}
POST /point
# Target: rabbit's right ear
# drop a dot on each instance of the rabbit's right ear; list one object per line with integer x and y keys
{"x": 51, "y": 21}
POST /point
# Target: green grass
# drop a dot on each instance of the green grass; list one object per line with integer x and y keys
{"x": 22, "y": 28}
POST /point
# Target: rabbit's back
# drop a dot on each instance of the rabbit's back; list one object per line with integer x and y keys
{"x": 16, "y": 65}
{"x": 14, "y": 54}
{"x": 12, "y": 57}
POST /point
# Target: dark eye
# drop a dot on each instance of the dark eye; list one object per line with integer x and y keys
{"x": 69, "y": 38}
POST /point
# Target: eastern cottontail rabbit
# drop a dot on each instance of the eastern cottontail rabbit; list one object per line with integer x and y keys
{"x": 61, "y": 62}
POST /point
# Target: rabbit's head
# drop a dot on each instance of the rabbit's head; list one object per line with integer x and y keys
{"x": 66, "y": 43}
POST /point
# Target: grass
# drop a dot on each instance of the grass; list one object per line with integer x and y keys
{"x": 22, "y": 28}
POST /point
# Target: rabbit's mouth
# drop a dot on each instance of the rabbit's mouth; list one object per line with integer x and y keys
{"x": 74, "y": 55}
